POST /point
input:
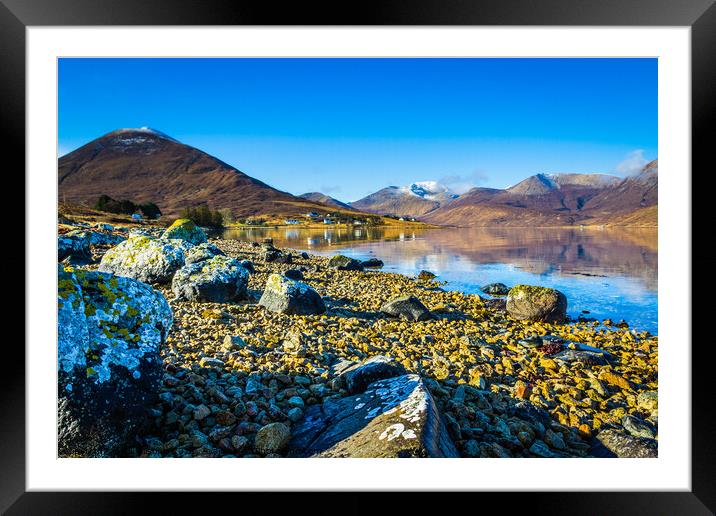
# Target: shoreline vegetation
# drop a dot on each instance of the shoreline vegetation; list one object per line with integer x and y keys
{"x": 314, "y": 356}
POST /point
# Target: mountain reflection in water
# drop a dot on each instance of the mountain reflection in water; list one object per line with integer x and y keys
{"x": 611, "y": 272}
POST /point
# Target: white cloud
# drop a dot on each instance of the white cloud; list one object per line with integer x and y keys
{"x": 461, "y": 184}
{"x": 632, "y": 164}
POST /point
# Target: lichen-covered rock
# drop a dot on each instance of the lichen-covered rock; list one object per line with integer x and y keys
{"x": 344, "y": 263}
{"x": 393, "y": 418}
{"x": 407, "y": 307}
{"x": 217, "y": 280}
{"x": 613, "y": 443}
{"x": 77, "y": 246}
{"x": 248, "y": 265}
{"x": 202, "y": 252}
{"x": 530, "y": 303}
{"x": 357, "y": 377}
{"x": 185, "y": 229}
{"x": 272, "y": 438}
{"x": 97, "y": 237}
{"x": 287, "y": 296}
{"x": 145, "y": 259}
{"x": 110, "y": 330}
{"x": 496, "y": 289}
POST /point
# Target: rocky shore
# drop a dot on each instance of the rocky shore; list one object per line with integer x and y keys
{"x": 278, "y": 353}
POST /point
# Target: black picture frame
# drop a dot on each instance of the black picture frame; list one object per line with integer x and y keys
{"x": 700, "y": 15}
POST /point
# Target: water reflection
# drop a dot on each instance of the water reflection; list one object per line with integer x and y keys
{"x": 611, "y": 272}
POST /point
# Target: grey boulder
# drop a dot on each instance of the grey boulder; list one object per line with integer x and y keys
{"x": 202, "y": 252}
{"x": 217, "y": 280}
{"x": 287, "y": 296}
{"x": 344, "y": 263}
{"x": 393, "y": 418}
{"x": 407, "y": 307}
{"x": 145, "y": 259}
{"x": 614, "y": 443}
{"x": 110, "y": 331}
{"x": 530, "y": 303}
{"x": 356, "y": 377}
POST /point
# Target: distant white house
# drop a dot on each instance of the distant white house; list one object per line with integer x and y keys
{"x": 328, "y": 221}
{"x": 312, "y": 215}
{"x": 291, "y": 221}
{"x": 136, "y": 216}
{"x": 401, "y": 218}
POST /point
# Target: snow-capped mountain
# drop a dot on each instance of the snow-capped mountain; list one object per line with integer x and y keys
{"x": 413, "y": 200}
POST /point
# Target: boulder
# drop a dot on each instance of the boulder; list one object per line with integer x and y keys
{"x": 217, "y": 280}
{"x": 74, "y": 246}
{"x": 291, "y": 297}
{"x": 344, "y": 263}
{"x": 202, "y": 252}
{"x": 248, "y": 265}
{"x": 110, "y": 330}
{"x": 272, "y": 254}
{"x": 407, "y": 307}
{"x": 145, "y": 259}
{"x": 272, "y": 438}
{"x": 637, "y": 427}
{"x": 357, "y": 377}
{"x": 294, "y": 274}
{"x": 97, "y": 238}
{"x": 372, "y": 262}
{"x": 613, "y": 443}
{"x": 495, "y": 289}
{"x": 185, "y": 229}
{"x": 393, "y": 418}
{"x": 425, "y": 275}
{"x": 526, "y": 302}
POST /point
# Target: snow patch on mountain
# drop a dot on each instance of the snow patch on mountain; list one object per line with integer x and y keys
{"x": 430, "y": 190}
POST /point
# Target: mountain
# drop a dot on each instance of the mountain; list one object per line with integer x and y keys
{"x": 325, "y": 199}
{"x": 414, "y": 200}
{"x": 558, "y": 200}
{"x": 145, "y": 165}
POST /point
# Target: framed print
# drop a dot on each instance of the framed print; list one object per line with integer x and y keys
{"x": 413, "y": 250}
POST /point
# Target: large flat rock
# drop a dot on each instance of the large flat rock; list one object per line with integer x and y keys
{"x": 396, "y": 417}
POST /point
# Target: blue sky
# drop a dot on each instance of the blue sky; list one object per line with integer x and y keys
{"x": 349, "y": 127}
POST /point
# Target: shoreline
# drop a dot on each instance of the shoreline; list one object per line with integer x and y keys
{"x": 470, "y": 343}
{"x": 232, "y": 369}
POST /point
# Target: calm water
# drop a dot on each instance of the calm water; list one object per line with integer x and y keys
{"x": 610, "y": 272}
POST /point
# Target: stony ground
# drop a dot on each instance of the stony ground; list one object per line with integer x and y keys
{"x": 234, "y": 368}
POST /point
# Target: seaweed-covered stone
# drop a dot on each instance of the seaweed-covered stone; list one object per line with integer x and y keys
{"x": 496, "y": 289}
{"x": 396, "y": 417}
{"x": 271, "y": 254}
{"x": 372, "y": 263}
{"x": 294, "y": 274}
{"x": 356, "y": 378}
{"x": 530, "y": 303}
{"x": 110, "y": 330}
{"x": 185, "y": 229}
{"x": 425, "y": 275}
{"x": 202, "y": 252}
{"x": 292, "y": 297}
{"x": 345, "y": 263}
{"x": 217, "y": 280}
{"x": 76, "y": 246}
{"x": 407, "y": 307}
{"x": 145, "y": 259}
{"x": 613, "y": 443}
